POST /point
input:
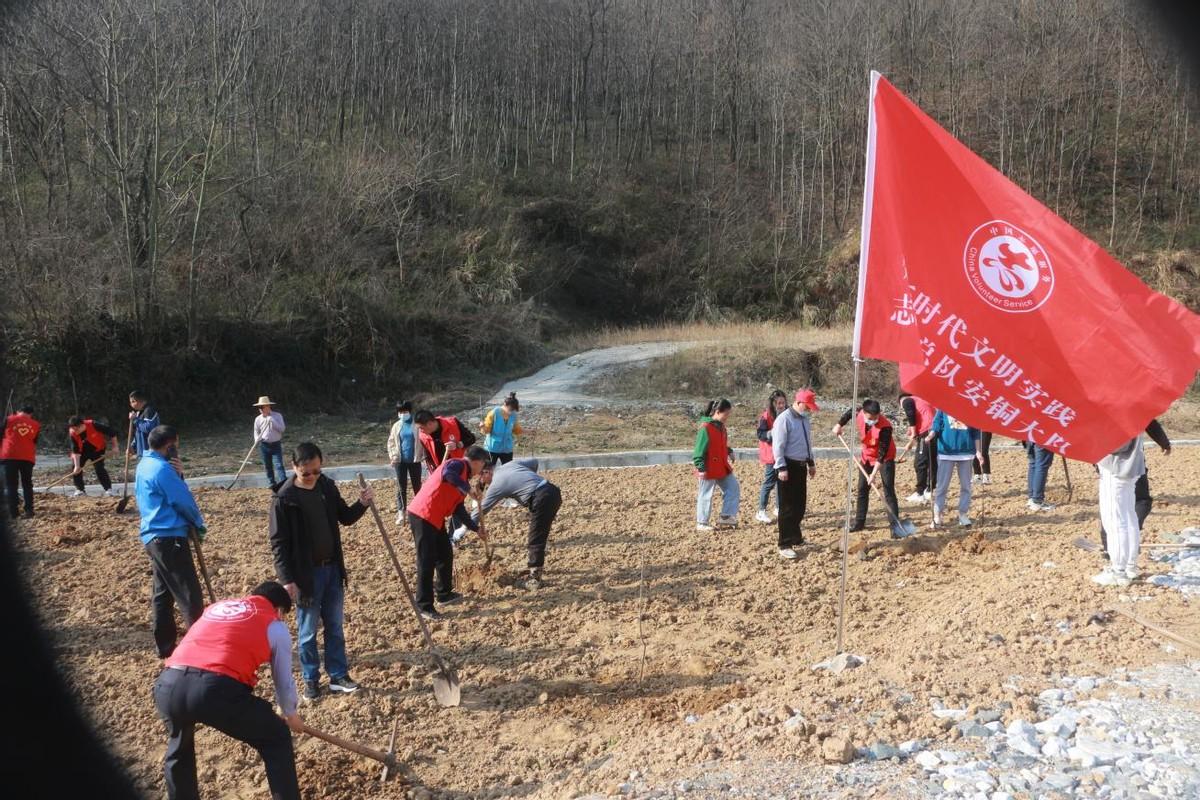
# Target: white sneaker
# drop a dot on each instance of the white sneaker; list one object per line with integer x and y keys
{"x": 112, "y": 492}
{"x": 985, "y": 477}
{"x": 703, "y": 526}
{"x": 1110, "y": 578}
{"x": 1131, "y": 572}
{"x": 964, "y": 521}
{"x": 399, "y": 517}
{"x": 763, "y": 516}
{"x": 925, "y": 498}
{"x": 77, "y": 493}
{"x": 788, "y": 553}
{"x": 1033, "y": 505}
{"x": 915, "y": 497}
{"x": 937, "y": 519}
{"x": 727, "y": 522}
{"x": 976, "y": 480}
{"x": 509, "y": 503}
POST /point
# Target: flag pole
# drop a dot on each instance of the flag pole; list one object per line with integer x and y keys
{"x": 864, "y": 246}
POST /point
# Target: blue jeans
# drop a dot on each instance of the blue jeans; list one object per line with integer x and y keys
{"x": 325, "y": 606}
{"x": 769, "y": 483}
{"x": 272, "y": 456}
{"x": 1040, "y": 461}
{"x": 730, "y": 495}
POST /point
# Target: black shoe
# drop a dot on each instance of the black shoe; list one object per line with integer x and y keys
{"x": 856, "y": 527}
{"x": 450, "y": 599}
{"x": 312, "y": 690}
{"x": 344, "y": 684}
{"x": 430, "y": 615}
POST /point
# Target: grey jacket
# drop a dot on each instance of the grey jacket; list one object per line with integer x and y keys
{"x": 791, "y": 439}
{"x": 1127, "y": 462}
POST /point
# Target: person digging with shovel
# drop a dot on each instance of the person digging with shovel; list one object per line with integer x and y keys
{"x": 519, "y": 480}
{"x": 307, "y": 511}
{"x": 440, "y": 498}
{"x": 167, "y": 511}
{"x": 89, "y": 442}
{"x": 209, "y": 680}
{"x": 441, "y": 438}
{"x": 878, "y": 456}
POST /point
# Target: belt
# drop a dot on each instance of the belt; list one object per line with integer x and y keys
{"x": 189, "y": 670}
{"x": 328, "y": 562}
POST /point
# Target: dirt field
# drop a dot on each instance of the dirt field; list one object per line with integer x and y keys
{"x": 563, "y": 695}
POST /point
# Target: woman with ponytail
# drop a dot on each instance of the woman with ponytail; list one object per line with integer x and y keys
{"x": 776, "y": 404}
{"x": 713, "y": 458}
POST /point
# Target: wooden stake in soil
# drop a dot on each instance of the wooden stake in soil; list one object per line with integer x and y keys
{"x": 1067, "y": 475}
{"x": 1183, "y": 640}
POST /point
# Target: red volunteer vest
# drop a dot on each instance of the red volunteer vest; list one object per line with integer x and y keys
{"x": 925, "y": 414}
{"x": 438, "y": 498}
{"x": 716, "y": 458}
{"x": 229, "y": 639}
{"x": 20, "y": 433}
{"x": 95, "y": 438}
{"x": 869, "y": 436}
{"x": 449, "y": 431}
{"x": 765, "y": 454}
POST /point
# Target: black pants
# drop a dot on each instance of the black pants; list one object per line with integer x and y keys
{"x": 1142, "y": 503}
{"x": 406, "y": 473}
{"x": 90, "y": 454}
{"x": 985, "y": 443}
{"x": 434, "y": 554}
{"x": 190, "y": 696}
{"x": 925, "y": 464}
{"x": 887, "y": 477}
{"x": 793, "y": 502}
{"x": 13, "y": 471}
{"x": 175, "y": 582}
{"x": 543, "y": 508}
{"x": 501, "y": 458}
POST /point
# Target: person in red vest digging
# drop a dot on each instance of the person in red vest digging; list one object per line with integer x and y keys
{"x": 441, "y": 438}
{"x": 878, "y": 458}
{"x": 89, "y": 440}
{"x": 920, "y": 412}
{"x": 440, "y": 498}
{"x": 209, "y": 680}
{"x": 18, "y": 451}
{"x": 713, "y": 459}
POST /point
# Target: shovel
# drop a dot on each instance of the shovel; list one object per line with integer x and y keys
{"x": 388, "y": 759}
{"x": 902, "y": 528}
{"x": 124, "y": 503}
{"x": 57, "y": 481}
{"x": 1067, "y": 475}
{"x": 245, "y": 461}
{"x": 445, "y": 683}
{"x": 212, "y": 597}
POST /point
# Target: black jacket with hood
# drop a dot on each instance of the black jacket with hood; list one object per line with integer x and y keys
{"x": 291, "y": 541}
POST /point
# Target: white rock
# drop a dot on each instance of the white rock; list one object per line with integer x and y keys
{"x": 927, "y": 760}
{"x": 912, "y": 746}
{"x": 1085, "y": 684}
{"x": 1051, "y": 696}
{"x": 949, "y": 756}
{"x": 956, "y": 714}
{"x": 1055, "y": 747}
{"x": 840, "y": 663}
{"x": 1090, "y": 752}
{"x": 1019, "y": 727}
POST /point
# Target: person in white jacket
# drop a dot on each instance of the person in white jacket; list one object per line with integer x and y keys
{"x": 1119, "y": 471}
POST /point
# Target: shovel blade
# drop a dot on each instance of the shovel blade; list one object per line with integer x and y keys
{"x": 905, "y": 529}
{"x": 446, "y": 690}
{"x": 124, "y": 504}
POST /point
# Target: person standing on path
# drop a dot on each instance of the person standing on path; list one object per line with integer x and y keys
{"x": 1040, "y": 460}
{"x": 1119, "y": 471}
{"x": 440, "y": 498}
{"x": 957, "y": 446}
{"x": 306, "y": 542}
{"x": 441, "y": 438}
{"x": 791, "y": 449}
{"x": 89, "y": 441}
{"x": 268, "y": 432}
{"x": 919, "y": 413}
{"x": 982, "y": 467}
{"x": 145, "y": 419}
{"x": 500, "y": 427}
{"x": 1142, "y": 499}
{"x": 713, "y": 458}
{"x": 519, "y": 480}
{"x": 210, "y": 678}
{"x": 402, "y": 452}
{"x": 18, "y": 454}
{"x": 877, "y": 458}
{"x": 776, "y": 405}
{"x": 167, "y": 511}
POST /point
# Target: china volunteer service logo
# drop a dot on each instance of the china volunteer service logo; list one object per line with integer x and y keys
{"x": 230, "y": 611}
{"x": 1007, "y": 267}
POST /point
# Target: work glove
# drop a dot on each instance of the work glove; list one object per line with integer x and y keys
{"x": 201, "y": 532}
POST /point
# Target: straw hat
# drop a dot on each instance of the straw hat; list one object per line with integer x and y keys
{"x": 265, "y": 400}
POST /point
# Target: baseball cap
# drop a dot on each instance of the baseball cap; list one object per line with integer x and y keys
{"x": 808, "y": 398}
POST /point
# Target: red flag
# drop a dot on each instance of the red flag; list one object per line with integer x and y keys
{"x": 1001, "y": 313}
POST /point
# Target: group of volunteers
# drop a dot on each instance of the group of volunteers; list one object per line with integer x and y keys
{"x": 944, "y": 447}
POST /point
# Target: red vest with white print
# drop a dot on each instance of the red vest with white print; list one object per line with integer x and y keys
{"x": 230, "y": 638}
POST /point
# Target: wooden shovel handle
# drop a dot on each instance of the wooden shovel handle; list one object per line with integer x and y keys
{"x": 387, "y": 759}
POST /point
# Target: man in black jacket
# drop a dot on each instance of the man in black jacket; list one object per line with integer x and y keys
{"x": 1142, "y": 500}
{"x": 306, "y": 541}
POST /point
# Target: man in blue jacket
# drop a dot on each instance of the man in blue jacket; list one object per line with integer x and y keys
{"x": 168, "y": 510}
{"x": 145, "y": 419}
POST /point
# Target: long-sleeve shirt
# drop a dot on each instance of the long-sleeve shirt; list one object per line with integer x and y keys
{"x": 269, "y": 429}
{"x": 280, "y": 641}
{"x": 791, "y": 439}
{"x": 164, "y": 500}
{"x": 1127, "y": 462}
{"x": 402, "y": 439}
{"x": 1155, "y": 431}
{"x": 885, "y": 435}
{"x": 145, "y": 421}
{"x": 517, "y": 479}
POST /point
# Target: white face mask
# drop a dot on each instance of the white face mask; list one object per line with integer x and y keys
{"x": 405, "y": 417}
